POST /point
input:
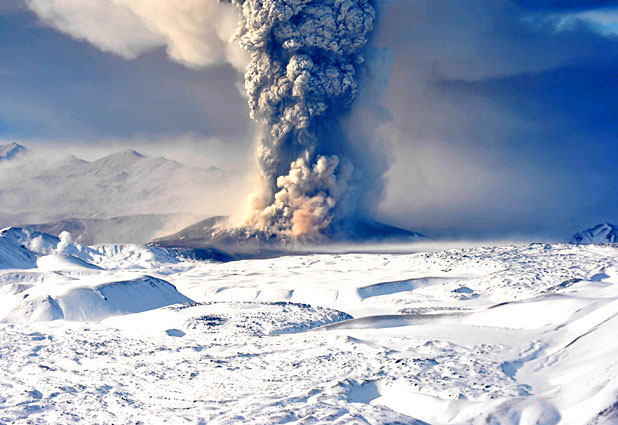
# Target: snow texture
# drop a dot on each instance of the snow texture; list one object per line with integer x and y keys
{"x": 518, "y": 334}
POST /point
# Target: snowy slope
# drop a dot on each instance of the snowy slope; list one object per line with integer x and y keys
{"x": 602, "y": 233}
{"x": 15, "y": 256}
{"x": 38, "y": 242}
{"x": 503, "y": 335}
{"x": 44, "y": 244}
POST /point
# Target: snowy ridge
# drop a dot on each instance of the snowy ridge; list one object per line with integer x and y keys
{"x": 65, "y": 282}
{"x": 600, "y": 234}
{"x": 40, "y": 243}
{"x": 50, "y": 252}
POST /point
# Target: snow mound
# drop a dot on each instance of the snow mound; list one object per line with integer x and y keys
{"x": 97, "y": 302}
{"x": 600, "y": 234}
{"x": 43, "y": 309}
{"x": 57, "y": 262}
{"x": 38, "y": 242}
{"x": 131, "y": 255}
{"x": 25, "y": 248}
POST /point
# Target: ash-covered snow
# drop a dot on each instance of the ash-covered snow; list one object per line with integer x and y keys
{"x": 519, "y": 334}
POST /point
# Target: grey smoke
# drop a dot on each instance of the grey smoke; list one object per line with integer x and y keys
{"x": 302, "y": 80}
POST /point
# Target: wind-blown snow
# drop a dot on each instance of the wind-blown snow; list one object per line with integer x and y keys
{"x": 519, "y": 334}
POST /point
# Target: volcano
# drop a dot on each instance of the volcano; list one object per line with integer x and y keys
{"x": 213, "y": 233}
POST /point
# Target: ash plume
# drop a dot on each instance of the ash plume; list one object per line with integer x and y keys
{"x": 301, "y": 80}
{"x": 305, "y": 63}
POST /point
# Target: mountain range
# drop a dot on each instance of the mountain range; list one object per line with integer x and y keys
{"x": 125, "y": 196}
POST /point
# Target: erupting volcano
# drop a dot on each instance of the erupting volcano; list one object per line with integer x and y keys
{"x": 301, "y": 82}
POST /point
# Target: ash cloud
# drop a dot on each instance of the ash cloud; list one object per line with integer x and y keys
{"x": 301, "y": 80}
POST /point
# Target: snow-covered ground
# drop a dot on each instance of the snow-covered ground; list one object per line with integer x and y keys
{"x": 518, "y": 334}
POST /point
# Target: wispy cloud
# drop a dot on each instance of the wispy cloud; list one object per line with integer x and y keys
{"x": 193, "y": 32}
{"x": 603, "y": 21}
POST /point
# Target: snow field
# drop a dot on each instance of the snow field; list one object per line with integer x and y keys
{"x": 497, "y": 335}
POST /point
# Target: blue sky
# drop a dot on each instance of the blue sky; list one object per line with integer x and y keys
{"x": 504, "y": 113}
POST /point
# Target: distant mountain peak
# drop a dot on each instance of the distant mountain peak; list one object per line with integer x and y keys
{"x": 122, "y": 158}
{"x": 12, "y": 151}
{"x": 599, "y": 234}
{"x": 131, "y": 152}
{"x": 72, "y": 160}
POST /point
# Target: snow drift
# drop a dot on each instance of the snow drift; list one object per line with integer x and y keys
{"x": 83, "y": 303}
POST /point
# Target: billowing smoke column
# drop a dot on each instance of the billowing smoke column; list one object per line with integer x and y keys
{"x": 301, "y": 80}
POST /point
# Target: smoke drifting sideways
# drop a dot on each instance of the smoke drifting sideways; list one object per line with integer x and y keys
{"x": 305, "y": 67}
